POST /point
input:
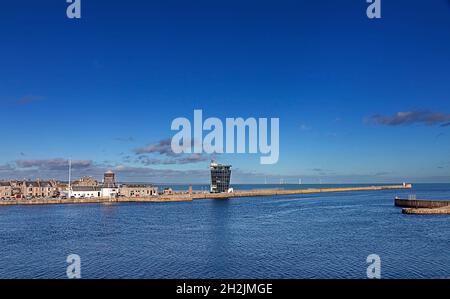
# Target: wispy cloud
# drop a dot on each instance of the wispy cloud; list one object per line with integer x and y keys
{"x": 53, "y": 164}
{"x": 412, "y": 117}
{"x": 6, "y": 167}
{"x": 28, "y": 100}
{"x": 124, "y": 139}
{"x": 124, "y": 173}
{"x": 163, "y": 147}
{"x": 188, "y": 159}
{"x": 194, "y": 158}
{"x": 46, "y": 168}
{"x": 304, "y": 127}
{"x": 382, "y": 173}
{"x": 146, "y": 174}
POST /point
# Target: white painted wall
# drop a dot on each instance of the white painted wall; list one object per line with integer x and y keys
{"x": 109, "y": 192}
{"x": 85, "y": 194}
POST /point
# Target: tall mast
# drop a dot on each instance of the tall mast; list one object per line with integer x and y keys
{"x": 70, "y": 170}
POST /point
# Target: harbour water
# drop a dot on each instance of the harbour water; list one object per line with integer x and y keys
{"x": 296, "y": 236}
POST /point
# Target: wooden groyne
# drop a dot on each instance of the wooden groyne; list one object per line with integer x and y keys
{"x": 423, "y": 206}
{"x": 177, "y": 197}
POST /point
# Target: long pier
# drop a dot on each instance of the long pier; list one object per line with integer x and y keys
{"x": 178, "y": 197}
{"x": 275, "y": 192}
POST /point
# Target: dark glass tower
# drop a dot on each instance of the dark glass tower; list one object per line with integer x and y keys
{"x": 220, "y": 177}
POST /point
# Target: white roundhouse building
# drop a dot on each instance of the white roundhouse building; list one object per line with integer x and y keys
{"x": 108, "y": 188}
{"x": 85, "y": 192}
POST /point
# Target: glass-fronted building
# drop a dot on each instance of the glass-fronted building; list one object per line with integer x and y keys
{"x": 220, "y": 177}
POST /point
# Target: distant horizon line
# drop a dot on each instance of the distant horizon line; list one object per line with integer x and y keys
{"x": 239, "y": 183}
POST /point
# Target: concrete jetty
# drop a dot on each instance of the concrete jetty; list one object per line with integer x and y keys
{"x": 179, "y": 197}
{"x": 423, "y": 206}
{"x": 424, "y": 211}
{"x": 275, "y": 192}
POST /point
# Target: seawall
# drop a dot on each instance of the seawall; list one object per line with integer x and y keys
{"x": 422, "y": 211}
{"x": 421, "y": 203}
{"x": 95, "y": 200}
{"x": 196, "y": 196}
{"x": 274, "y": 192}
{"x": 423, "y": 206}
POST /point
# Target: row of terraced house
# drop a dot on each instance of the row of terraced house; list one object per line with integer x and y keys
{"x": 81, "y": 188}
{"x": 24, "y": 189}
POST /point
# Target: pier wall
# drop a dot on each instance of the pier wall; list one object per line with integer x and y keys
{"x": 103, "y": 200}
{"x": 274, "y": 192}
{"x": 196, "y": 196}
{"x": 423, "y": 211}
{"x": 418, "y": 203}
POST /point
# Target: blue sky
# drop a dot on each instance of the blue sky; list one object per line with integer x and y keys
{"x": 97, "y": 88}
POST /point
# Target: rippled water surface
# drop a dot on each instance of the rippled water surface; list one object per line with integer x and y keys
{"x": 307, "y": 236}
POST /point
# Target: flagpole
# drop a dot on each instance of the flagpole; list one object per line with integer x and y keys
{"x": 70, "y": 172}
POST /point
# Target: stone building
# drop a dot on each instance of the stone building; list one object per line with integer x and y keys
{"x": 86, "y": 181}
{"x": 88, "y": 187}
{"x": 109, "y": 180}
{"x": 38, "y": 188}
{"x": 138, "y": 191}
{"x": 109, "y": 186}
{"x": 5, "y": 190}
{"x": 16, "y": 189}
{"x": 168, "y": 191}
{"x": 85, "y": 191}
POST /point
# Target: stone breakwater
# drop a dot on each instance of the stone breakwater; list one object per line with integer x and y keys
{"x": 423, "y": 206}
{"x": 424, "y": 211}
{"x": 49, "y": 201}
{"x": 179, "y": 197}
{"x": 274, "y": 192}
